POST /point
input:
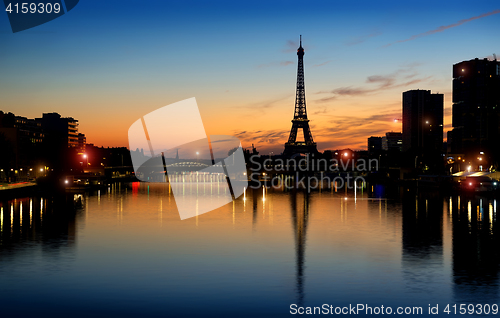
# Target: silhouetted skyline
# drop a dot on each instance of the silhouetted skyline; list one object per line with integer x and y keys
{"x": 132, "y": 59}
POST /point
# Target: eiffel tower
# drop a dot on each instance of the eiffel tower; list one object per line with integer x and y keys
{"x": 300, "y": 116}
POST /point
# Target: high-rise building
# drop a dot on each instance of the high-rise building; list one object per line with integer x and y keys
{"x": 422, "y": 122}
{"x": 82, "y": 141}
{"x": 374, "y": 145}
{"x": 392, "y": 141}
{"x": 62, "y": 130}
{"x": 24, "y": 137}
{"x": 476, "y": 113}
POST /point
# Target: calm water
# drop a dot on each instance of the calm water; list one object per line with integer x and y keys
{"x": 125, "y": 252}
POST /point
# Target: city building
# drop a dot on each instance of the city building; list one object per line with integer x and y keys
{"x": 82, "y": 140}
{"x": 31, "y": 146}
{"x": 63, "y": 130}
{"x": 422, "y": 122}
{"x": 392, "y": 141}
{"x": 374, "y": 144}
{"x": 476, "y": 113}
{"x": 23, "y": 137}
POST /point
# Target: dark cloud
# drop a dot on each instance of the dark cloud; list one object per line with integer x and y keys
{"x": 320, "y": 111}
{"x": 382, "y": 82}
{"x": 269, "y": 140}
{"x": 350, "y": 131}
{"x": 340, "y": 132}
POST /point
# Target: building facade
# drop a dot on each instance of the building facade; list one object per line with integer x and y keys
{"x": 374, "y": 144}
{"x": 476, "y": 113}
{"x": 392, "y": 141}
{"x": 422, "y": 121}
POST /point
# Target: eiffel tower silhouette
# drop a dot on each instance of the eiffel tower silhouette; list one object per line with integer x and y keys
{"x": 300, "y": 115}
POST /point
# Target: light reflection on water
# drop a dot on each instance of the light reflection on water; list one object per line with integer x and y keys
{"x": 125, "y": 252}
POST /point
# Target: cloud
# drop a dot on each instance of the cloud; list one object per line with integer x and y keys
{"x": 362, "y": 38}
{"x": 402, "y": 77}
{"x": 445, "y": 27}
{"x": 264, "y": 105}
{"x": 352, "y": 132}
{"x": 264, "y": 139}
{"x": 339, "y": 133}
{"x": 320, "y": 111}
{"x": 283, "y": 63}
{"x": 321, "y": 64}
{"x": 291, "y": 46}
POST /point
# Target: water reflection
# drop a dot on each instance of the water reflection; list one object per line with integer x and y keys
{"x": 127, "y": 248}
{"x": 49, "y": 222}
{"x": 422, "y": 240}
{"x": 476, "y": 255}
{"x": 300, "y": 218}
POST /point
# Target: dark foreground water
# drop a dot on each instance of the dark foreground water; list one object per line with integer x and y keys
{"x": 126, "y": 253}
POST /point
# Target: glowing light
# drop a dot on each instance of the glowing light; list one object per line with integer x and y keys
{"x": 84, "y": 156}
{"x": 66, "y": 181}
{"x": 41, "y": 169}
{"x": 470, "y": 183}
{"x": 345, "y": 154}
{"x": 468, "y": 168}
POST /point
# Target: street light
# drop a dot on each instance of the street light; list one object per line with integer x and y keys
{"x": 87, "y": 159}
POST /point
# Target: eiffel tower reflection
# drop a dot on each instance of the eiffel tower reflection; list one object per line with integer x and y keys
{"x": 300, "y": 217}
